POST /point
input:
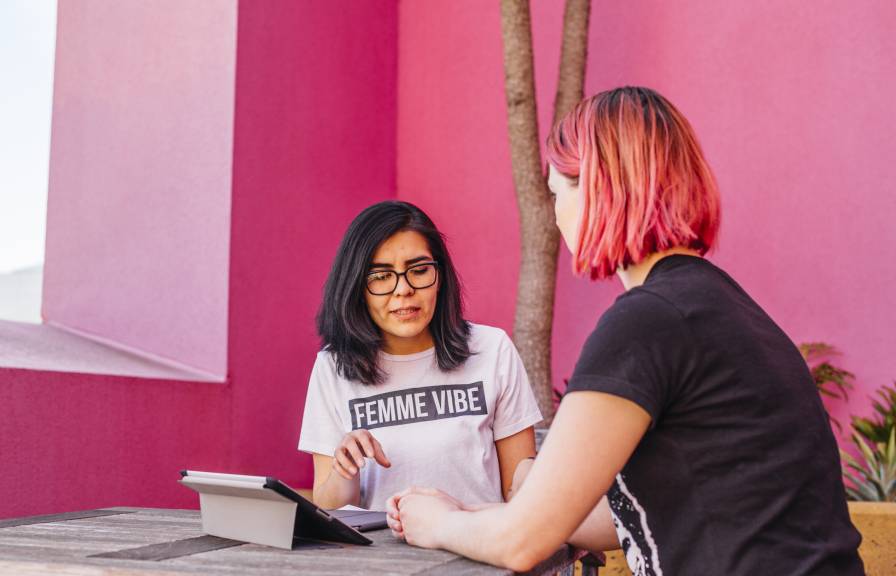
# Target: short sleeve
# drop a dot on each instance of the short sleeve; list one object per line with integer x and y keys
{"x": 636, "y": 352}
{"x": 516, "y": 408}
{"x": 322, "y": 428}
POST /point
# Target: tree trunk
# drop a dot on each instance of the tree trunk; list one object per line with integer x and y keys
{"x": 539, "y": 237}
{"x": 573, "y": 57}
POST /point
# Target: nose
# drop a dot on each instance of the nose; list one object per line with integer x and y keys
{"x": 403, "y": 288}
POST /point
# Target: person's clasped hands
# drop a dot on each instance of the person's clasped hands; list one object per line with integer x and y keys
{"x": 413, "y": 514}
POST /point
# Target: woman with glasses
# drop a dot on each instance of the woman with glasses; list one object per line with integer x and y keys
{"x": 691, "y": 434}
{"x": 405, "y": 391}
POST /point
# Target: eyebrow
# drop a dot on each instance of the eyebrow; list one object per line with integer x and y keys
{"x": 407, "y": 263}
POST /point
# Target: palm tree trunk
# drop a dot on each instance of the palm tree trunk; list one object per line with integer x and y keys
{"x": 539, "y": 237}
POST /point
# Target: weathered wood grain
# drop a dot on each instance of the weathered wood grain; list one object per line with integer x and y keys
{"x": 169, "y": 550}
{"x": 59, "y": 517}
{"x": 143, "y": 542}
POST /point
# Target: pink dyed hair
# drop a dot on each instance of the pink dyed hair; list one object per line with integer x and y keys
{"x": 647, "y": 187}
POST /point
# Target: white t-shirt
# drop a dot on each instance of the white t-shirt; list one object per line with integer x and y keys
{"x": 438, "y": 429}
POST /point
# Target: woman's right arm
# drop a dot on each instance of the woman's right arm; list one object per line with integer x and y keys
{"x": 330, "y": 489}
{"x": 337, "y": 478}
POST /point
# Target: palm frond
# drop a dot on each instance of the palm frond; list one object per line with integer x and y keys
{"x": 877, "y": 428}
{"x": 830, "y": 380}
{"x": 872, "y": 477}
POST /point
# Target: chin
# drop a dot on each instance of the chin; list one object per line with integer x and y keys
{"x": 410, "y": 330}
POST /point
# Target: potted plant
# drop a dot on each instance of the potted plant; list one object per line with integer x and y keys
{"x": 872, "y": 477}
{"x": 870, "y": 480}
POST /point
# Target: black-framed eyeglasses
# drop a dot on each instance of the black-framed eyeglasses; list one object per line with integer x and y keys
{"x": 418, "y": 276}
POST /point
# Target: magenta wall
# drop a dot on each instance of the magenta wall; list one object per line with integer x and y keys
{"x": 313, "y": 142}
{"x": 76, "y": 441}
{"x": 138, "y": 217}
{"x": 790, "y": 100}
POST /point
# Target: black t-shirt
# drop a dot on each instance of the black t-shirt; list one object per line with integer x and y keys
{"x": 739, "y": 472}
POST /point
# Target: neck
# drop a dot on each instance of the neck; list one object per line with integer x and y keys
{"x": 400, "y": 346}
{"x": 636, "y": 274}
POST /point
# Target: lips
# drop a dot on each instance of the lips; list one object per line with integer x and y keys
{"x": 405, "y": 312}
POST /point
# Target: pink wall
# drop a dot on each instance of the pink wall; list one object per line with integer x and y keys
{"x": 312, "y": 148}
{"x": 76, "y": 442}
{"x": 790, "y": 102}
{"x": 782, "y": 94}
{"x": 141, "y": 157}
{"x": 313, "y": 142}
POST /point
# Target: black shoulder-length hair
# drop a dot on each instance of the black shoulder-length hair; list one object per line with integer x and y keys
{"x": 343, "y": 322}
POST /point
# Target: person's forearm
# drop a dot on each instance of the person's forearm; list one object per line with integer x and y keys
{"x": 564, "y": 487}
{"x": 597, "y": 533}
{"x": 483, "y": 506}
{"x": 489, "y": 535}
{"x": 475, "y": 534}
{"x": 336, "y": 492}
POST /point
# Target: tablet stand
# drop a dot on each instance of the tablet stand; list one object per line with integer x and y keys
{"x": 234, "y": 511}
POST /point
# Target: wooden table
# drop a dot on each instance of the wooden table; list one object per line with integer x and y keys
{"x": 142, "y": 541}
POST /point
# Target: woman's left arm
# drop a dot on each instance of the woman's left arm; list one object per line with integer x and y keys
{"x": 590, "y": 440}
{"x": 511, "y": 451}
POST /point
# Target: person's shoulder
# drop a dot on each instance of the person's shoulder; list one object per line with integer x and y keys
{"x": 484, "y": 334}
{"x": 686, "y": 280}
{"x": 325, "y": 362}
{"x": 639, "y": 312}
{"x": 325, "y": 375}
{"x": 325, "y": 355}
{"x": 483, "y": 337}
{"x": 641, "y": 301}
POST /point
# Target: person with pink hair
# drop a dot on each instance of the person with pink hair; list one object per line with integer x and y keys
{"x": 691, "y": 434}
